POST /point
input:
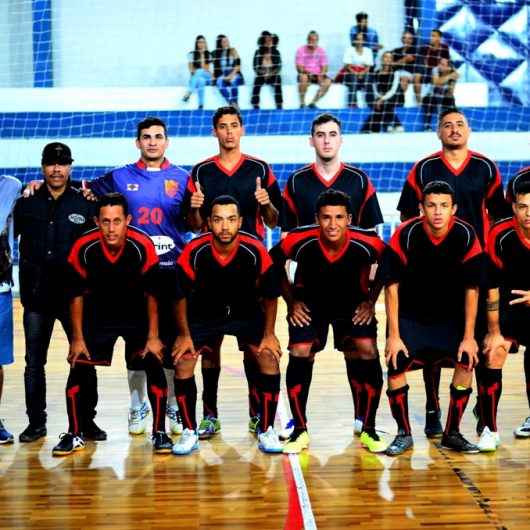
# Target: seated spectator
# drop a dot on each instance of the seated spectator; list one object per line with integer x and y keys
{"x": 385, "y": 95}
{"x": 199, "y": 62}
{"x": 227, "y": 69}
{"x": 441, "y": 95}
{"x": 428, "y": 57}
{"x": 405, "y": 64}
{"x": 371, "y": 39}
{"x": 358, "y": 60}
{"x": 312, "y": 67}
{"x": 267, "y": 64}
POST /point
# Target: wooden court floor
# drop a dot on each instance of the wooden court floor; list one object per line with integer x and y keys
{"x": 229, "y": 484}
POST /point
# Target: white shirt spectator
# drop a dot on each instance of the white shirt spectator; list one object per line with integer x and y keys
{"x": 353, "y": 57}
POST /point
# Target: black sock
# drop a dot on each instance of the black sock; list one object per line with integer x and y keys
{"x": 210, "y": 383}
{"x": 372, "y": 386}
{"x": 489, "y": 394}
{"x": 399, "y": 406}
{"x": 75, "y": 386}
{"x": 457, "y": 406}
{"x": 252, "y": 373}
{"x": 431, "y": 378}
{"x": 186, "y": 394}
{"x": 298, "y": 380}
{"x": 269, "y": 393}
{"x": 157, "y": 392}
{"x": 354, "y": 371}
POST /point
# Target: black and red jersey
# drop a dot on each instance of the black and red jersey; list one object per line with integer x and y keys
{"x": 333, "y": 284}
{"x": 113, "y": 286}
{"x": 477, "y": 184}
{"x": 523, "y": 175}
{"x": 433, "y": 273}
{"x": 240, "y": 182}
{"x": 306, "y": 184}
{"x": 231, "y": 287}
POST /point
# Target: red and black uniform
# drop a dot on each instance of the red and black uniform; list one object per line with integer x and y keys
{"x": 306, "y": 184}
{"x": 477, "y": 185}
{"x": 332, "y": 287}
{"x": 223, "y": 298}
{"x": 523, "y": 175}
{"x": 240, "y": 183}
{"x": 114, "y": 291}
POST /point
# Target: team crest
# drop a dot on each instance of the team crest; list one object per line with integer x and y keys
{"x": 133, "y": 187}
{"x": 171, "y": 187}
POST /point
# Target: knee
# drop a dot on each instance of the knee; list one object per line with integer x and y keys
{"x": 184, "y": 368}
{"x": 363, "y": 349}
{"x": 496, "y": 359}
{"x": 303, "y": 80}
{"x": 302, "y": 351}
{"x": 267, "y": 362}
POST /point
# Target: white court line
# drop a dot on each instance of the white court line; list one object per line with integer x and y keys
{"x": 301, "y": 488}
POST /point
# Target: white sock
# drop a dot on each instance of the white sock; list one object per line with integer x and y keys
{"x": 171, "y": 399}
{"x": 137, "y": 387}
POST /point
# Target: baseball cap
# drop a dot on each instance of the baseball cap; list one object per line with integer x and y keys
{"x": 57, "y": 153}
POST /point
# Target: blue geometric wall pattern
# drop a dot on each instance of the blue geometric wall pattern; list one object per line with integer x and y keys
{"x": 489, "y": 43}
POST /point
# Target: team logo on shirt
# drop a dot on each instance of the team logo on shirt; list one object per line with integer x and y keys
{"x": 76, "y": 218}
{"x": 171, "y": 187}
{"x": 133, "y": 187}
{"x": 163, "y": 244}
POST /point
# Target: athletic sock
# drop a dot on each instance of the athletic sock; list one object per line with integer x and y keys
{"x": 252, "y": 374}
{"x": 210, "y": 383}
{"x": 431, "y": 379}
{"x": 354, "y": 372}
{"x": 186, "y": 394}
{"x": 399, "y": 406}
{"x": 170, "y": 376}
{"x": 457, "y": 406}
{"x": 137, "y": 388}
{"x": 75, "y": 386}
{"x": 372, "y": 386}
{"x": 157, "y": 392}
{"x": 489, "y": 394}
{"x": 269, "y": 393}
{"x": 298, "y": 380}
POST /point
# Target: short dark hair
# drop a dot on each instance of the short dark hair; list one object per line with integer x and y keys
{"x": 149, "y": 122}
{"x": 225, "y": 199}
{"x": 436, "y": 30}
{"x": 112, "y": 199}
{"x": 361, "y": 16}
{"x": 522, "y": 188}
{"x": 438, "y": 187}
{"x": 221, "y": 111}
{"x": 333, "y": 197}
{"x": 325, "y": 118}
{"x": 450, "y": 110}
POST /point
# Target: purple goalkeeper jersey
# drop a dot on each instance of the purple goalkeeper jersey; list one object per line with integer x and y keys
{"x": 155, "y": 202}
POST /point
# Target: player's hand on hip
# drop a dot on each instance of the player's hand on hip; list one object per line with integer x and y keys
{"x": 197, "y": 197}
{"x": 299, "y": 314}
{"x": 524, "y": 297}
{"x": 394, "y": 346}
{"x": 494, "y": 341}
{"x": 183, "y": 346}
{"x": 364, "y": 313}
{"x": 31, "y": 188}
{"x": 469, "y": 346}
{"x": 272, "y": 344}
{"x": 261, "y": 194}
{"x": 155, "y": 346}
{"x": 77, "y": 349}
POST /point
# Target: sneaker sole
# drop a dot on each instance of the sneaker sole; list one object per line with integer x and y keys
{"x": 521, "y": 436}
{"x": 270, "y": 451}
{"x": 208, "y": 435}
{"x": 473, "y": 452}
{"x": 487, "y": 449}
{"x": 7, "y": 442}
{"x": 66, "y": 453}
{"x": 194, "y": 448}
{"x": 294, "y": 451}
{"x": 375, "y": 449}
{"x": 162, "y": 451}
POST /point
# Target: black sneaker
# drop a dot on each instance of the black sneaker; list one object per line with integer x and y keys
{"x": 93, "y": 432}
{"x": 456, "y": 442}
{"x": 433, "y": 426}
{"x": 162, "y": 443}
{"x": 68, "y": 443}
{"x": 476, "y": 413}
{"x": 401, "y": 443}
{"x": 32, "y": 433}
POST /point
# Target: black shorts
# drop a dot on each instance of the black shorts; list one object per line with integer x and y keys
{"x": 515, "y": 327}
{"x": 314, "y": 78}
{"x": 344, "y": 333}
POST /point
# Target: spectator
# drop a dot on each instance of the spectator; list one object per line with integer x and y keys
{"x": 441, "y": 95}
{"x": 371, "y": 38}
{"x": 227, "y": 69}
{"x": 405, "y": 64}
{"x": 358, "y": 60}
{"x": 267, "y": 64}
{"x": 312, "y": 67}
{"x": 199, "y": 61}
{"x": 386, "y": 95}
{"x": 429, "y": 56}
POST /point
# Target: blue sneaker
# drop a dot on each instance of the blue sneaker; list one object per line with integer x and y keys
{"x": 287, "y": 431}
{"x": 5, "y": 436}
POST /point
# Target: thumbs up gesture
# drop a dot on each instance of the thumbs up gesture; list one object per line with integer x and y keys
{"x": 197, "y": 197}
{"x": 261, "y": 194}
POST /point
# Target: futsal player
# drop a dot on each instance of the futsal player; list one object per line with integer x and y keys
{"x": 113, "y": 269}
{"x": 477, "y": 184}
{"x": 253, "y": 184}
{"x": 432, "y": 272}
{"x": 331, "y": 287}
{"x": 229, "y": 287}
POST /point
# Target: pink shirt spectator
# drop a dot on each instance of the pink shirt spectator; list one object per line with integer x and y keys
{"x": 312, "y": 61}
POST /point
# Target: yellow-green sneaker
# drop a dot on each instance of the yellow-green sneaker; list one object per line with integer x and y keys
{"x": 208, "y": 427}
{"x": 253, "y": 424}
{"x": 372, "y": 442}
{"x": 296, "y": 443}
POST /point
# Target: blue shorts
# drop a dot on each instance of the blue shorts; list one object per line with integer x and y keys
{"x": 6, "y": 328}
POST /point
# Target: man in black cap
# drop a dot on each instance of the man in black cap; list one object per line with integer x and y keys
{"x": 48, "y": 223}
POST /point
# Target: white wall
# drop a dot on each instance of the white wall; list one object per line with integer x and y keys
{"x": 120, "y": 43}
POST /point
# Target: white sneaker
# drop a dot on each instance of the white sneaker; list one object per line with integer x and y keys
{"x": 357, "y": 427}
{"x": 188, "y": 442}
{"x": 175, "y": 421}
{"x": 269, "y": 442}
{"x": 285, "y": 433}
{"x": 137, "y": 418}
{"x": 489, "y": 441}
{"x": 523, "y": 431}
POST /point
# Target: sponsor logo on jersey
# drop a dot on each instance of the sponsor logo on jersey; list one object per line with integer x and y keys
{"x": 163, "y": 244}
{"x": 133, "y": 187}
{"x": 77, "y": 218}
{"x": 171, "y": 187}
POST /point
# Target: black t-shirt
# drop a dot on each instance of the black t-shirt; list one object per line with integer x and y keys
{"x": 218, "y": 288}
{"x": 113, "y": 286}
{"x": 240, "y": 182}
{"x": 433, "y": 274}
{"x": 306, "y": 184}
{"x": 477, "y": 184}
{"x": 331, "y": 284}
